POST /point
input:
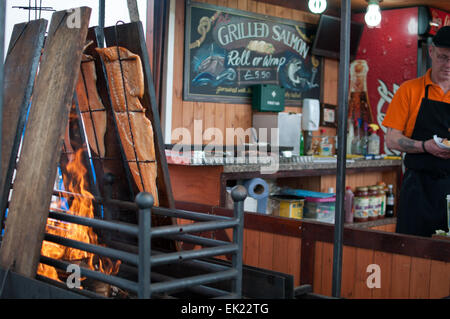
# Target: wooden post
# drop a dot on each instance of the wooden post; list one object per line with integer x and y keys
{"x": 41, "y": 148}
{"x": 133, "y": 10}
{"x": 20, "y": 69}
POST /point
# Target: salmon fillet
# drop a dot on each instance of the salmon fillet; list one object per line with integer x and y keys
{"x": 135, "y": 129}
{"x": 91, "y": 107}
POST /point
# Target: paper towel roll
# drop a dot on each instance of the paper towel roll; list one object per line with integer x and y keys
{"x": 258, "y": 189}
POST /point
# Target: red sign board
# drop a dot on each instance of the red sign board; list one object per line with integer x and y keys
{"x": 439, "y": 19}
{"x": 389, "y": 56}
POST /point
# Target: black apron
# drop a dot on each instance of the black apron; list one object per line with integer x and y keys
{"x": 423, "y": 207}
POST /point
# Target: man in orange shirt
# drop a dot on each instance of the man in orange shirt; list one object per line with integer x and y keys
{"x": 419, "y": 110}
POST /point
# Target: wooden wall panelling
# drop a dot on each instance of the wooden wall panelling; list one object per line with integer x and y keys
{"x": 348, "y": 272}
{"x": 364, "y": 257}
{"x": 265, "y": 259}
{"x": 401, "y": 268}
{"x": 221, "y": 115}
{"x": 327, "y": 268}
{"x": 294, "y": 256}
{"x": 384, "y": 260}
{"x": 419, "y": 286}
{"x": 317, "y": 276}
{"x": 251, "y": 247}
{"x": 439, "y": 279}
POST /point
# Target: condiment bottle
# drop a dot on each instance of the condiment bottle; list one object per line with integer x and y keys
{"x": 348, "y": 202}
{"x": 382, "y": 194}
{"x": 361, "y": 204}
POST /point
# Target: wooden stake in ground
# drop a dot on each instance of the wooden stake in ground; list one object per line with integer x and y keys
{"x": 41, "y": 148}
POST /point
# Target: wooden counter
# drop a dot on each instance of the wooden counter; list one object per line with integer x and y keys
{"x": 410, "y": 266}
{"x": 206, "y": 184}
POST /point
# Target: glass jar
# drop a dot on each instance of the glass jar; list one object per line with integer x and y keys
{"x": 361, "y": 204}
{"x": 374, "y": 203}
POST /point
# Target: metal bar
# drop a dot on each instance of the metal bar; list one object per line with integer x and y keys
{"x": 101, "y": 22}
{"x": 203, "y": 241}
{"x": 186, "y": 214}
{"x": 99, "y": 250}
{"x": 145, "y": 203}
{"x": 192, "y": 254}
{"x": 96, "y": 223}
{"x": 342, "y": 134}
{"x": 113, "y": 280}
{"x": 192, "y": 228}
{"x": 2, "y": 80}
{"x": 200, "y": 289}
{"x": 193, "y": 281}
{"x": 238, "y": 194}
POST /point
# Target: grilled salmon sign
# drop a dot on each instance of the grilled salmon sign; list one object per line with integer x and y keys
{"x": 227, "y": 51}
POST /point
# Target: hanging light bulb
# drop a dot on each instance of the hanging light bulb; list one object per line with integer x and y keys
{"x": 373, "y": 14}
{"x": 317, "y": 6}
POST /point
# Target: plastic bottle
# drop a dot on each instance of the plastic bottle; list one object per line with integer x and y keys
{"x": 364, "y": 141}
{"x": 374, "y": 141}
{"x": 302, "y": 144}
{"x": 348, "y": 204}
{"x": 350, "y": 136}
{"x": 390, "y": 201}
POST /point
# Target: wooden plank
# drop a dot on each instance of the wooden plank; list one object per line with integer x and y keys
{"x": 419, "y": 287}
{"x": 294, "y": 256}
{"x": 317, "y": 276}
{"x": 131, "y": 36}
{"x": 401, "y": 268}
{"x": 364, "y": 257}
{"x": 280, "y": 253}
{"x": 251, "y": 247}
{"x": 348, "y": 272}
{"x": 307, "y": 262}
{"x": 439, "y": 279}
{"x": 133, "y": 10}
{"x": 265, "y": 258}
{"x": 36, "y": 172}
{"x": 20, "y": 69}
{"x": 327, "y": 269}
{"x": 384, "y": 260}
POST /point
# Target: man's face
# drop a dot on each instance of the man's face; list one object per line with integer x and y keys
{"x": 440, "y": 58}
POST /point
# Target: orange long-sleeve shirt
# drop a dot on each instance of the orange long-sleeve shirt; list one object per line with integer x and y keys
{"x": 404, "y": 107}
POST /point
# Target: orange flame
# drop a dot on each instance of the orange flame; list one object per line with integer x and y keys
{"x": 80, "y": 206}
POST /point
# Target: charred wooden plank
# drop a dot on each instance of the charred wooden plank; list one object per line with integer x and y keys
{"x": 41, "y": 148}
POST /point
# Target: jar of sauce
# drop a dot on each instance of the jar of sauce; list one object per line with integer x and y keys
{"x": 361, "y": 204}
{"x": 374, "y": 202}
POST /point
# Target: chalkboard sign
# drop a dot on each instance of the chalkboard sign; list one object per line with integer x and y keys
{"x": 227, "y": 51}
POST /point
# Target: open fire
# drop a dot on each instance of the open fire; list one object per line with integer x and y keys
{"x": 81, "y": 205}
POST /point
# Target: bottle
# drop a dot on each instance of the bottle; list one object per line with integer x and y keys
{"x": 374, "y": 202}
{"x": 390, "y": 201}
{"x": 356, "y": 143}
{"x": 302, "y": 145}
{"x": 374, "y": 141}
{"x": 349, "y": 196}
{"x": 364, "y": 141}
{"x": 350, "y": 136}
{"x": 381, "y": 191}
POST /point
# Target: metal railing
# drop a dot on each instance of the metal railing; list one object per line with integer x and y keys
{"x": 145, "y": 259}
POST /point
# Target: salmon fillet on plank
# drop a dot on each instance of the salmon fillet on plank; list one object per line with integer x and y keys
{"x": 135, "y": 129}
{"x": 91, "y": 107}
